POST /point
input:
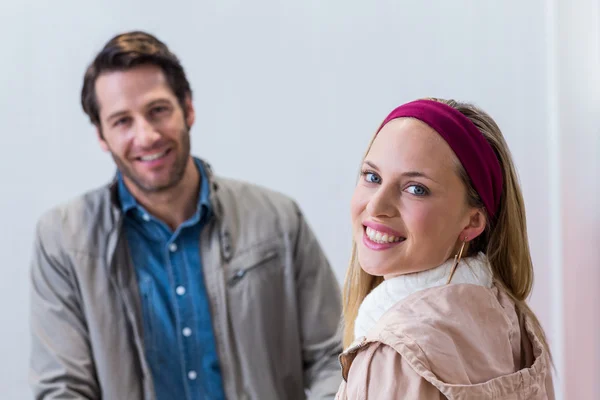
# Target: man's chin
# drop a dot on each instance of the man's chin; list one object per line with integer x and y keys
{"x": 154, "y": 186}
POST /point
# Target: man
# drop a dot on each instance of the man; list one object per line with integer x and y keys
{"x": 171, "y": 283}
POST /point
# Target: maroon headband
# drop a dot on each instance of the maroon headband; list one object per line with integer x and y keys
{"x": 472, "y": 149}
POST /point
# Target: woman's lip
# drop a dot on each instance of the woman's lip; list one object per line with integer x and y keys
{"x": 382, "y": 228}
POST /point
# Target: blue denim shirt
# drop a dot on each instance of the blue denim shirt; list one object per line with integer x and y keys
{"x": 178, "y": 336}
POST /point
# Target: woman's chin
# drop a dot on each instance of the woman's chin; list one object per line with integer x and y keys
{"x": 376, "y": 269}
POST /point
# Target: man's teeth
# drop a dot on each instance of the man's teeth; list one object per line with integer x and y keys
{"x": 154, "y": 156}
{"x": 380, "y": 237}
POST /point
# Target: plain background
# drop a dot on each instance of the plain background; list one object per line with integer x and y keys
{"x": 288, "y": 94}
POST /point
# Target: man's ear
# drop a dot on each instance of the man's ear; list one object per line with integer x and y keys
{"x": 101, "y": 140}
{"x": 190, "y": 114}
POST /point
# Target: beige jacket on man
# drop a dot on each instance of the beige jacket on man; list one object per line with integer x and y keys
{"x": 456, "y": 341}
{"x": 274, "y": 299}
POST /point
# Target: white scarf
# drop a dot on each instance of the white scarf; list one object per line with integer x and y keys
{"x": 474, "y": 270}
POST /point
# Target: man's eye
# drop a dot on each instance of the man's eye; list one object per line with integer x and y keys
{"x": 159, "y": 109}
{"x": 121, "y": 121}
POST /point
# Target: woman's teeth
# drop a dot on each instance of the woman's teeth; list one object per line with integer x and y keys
{"x": 380, "y": 237}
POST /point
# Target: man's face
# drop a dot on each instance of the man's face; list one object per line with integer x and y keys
{"x": 143, "y": 127}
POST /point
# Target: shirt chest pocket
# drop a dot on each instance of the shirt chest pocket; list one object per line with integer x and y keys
{"x": 149, "y": 319}
{"x": 158, "y": 321}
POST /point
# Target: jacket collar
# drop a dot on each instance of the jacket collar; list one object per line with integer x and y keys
{"x": 473, "y": 270}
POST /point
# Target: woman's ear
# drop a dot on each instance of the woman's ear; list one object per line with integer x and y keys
{"x": 476, "y": 225}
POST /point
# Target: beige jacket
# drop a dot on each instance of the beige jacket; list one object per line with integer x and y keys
{"x": 457, "y": 341}
{"x": 274, "y": 300}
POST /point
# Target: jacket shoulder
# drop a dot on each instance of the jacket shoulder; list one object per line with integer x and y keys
{"x": 255, "y": 204}
{"x": 255, "y": 195}
{"x": 79, "y": 223}
{"x": 464, "y": 340}
{"x": 449, "y": 327}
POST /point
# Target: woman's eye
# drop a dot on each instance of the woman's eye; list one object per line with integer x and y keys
{"x": 372, "y": 178}
{"x": 417, "y": 190}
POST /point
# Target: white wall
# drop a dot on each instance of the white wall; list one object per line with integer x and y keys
{"x": 577, "y": 116}
{"x": 287, "y": 95}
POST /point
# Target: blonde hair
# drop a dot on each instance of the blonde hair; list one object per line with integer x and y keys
{"x": 504, "y": 240}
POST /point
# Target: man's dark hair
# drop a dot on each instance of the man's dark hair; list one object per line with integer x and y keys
{"x": 129, "y": 50}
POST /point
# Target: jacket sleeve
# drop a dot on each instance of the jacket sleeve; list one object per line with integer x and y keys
{"x": 380, "y": 372}
{"x": 549, "y": 383}
{"x": 61, "y": 364}
{"x": 320, "y": 310}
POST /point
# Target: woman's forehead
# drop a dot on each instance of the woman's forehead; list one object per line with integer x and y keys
{"x": 410, "y": 143}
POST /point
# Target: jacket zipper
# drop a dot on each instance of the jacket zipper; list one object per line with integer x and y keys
{"x": 242, "y": 272}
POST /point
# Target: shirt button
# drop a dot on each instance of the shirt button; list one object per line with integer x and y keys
{"x": 192, "y": 375}
{"x": 180, "y": 290}
{"x": 186, "y": 331}
{"x": 146, "y": 217}
{"x": 173, "y": 247}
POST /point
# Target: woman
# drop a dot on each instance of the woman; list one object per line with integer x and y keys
{"x": 434, "y": 298}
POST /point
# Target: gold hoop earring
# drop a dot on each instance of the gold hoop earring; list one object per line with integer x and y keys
{"x": 457, "y": 258}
